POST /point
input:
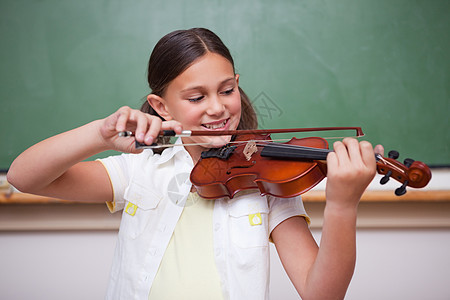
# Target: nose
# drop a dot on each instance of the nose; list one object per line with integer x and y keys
{"x": 215, "y": 106}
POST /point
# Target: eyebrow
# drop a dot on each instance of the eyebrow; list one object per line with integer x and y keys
{"x": 200, "y": 87}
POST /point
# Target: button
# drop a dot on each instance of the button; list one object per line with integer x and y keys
{"x": 152, "y": 251}
{"x": 255, "y": 219}
{"x": 131, "y": 209}
{"x": 216, "y": 226}
{"x": 217, "y": 252}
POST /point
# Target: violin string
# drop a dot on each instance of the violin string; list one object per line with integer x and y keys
{"x": 388, "y": 163}
{"x": 297, "y": 147}
{"x": 231, "y": 142}
{"x": 195, "y": 144}
{"x": 325, "y": 138}
{"x": 280, "y": 145}
{"x": 293, "y": 147}
{"x": 191, "y": 144}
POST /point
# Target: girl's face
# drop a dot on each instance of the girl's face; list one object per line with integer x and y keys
{"x": 205, "y": 97}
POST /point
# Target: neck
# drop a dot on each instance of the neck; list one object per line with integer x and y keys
{"x": 195, "y": 155}
{"x": 195, "y": 152}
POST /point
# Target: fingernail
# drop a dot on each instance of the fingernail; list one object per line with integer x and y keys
{"x": 149, "y": 140}
{"x": 140, "y": 136}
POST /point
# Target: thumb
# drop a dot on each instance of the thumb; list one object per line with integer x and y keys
{"x": 379, "y": 149}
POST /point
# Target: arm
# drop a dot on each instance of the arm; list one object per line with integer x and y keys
{"x": 54, "y": 166}
{"x": 325, "y": 272}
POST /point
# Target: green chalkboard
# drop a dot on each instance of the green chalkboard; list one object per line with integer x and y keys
{"x": 383, "y": 65}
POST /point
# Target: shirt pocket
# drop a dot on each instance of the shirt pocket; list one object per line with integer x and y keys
{"x": 248, "y": 219}
{"x": 140, "y": 208}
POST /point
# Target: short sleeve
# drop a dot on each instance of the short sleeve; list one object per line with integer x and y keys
{"x": 284, "y": 208}
{"x": 117, "y": 168}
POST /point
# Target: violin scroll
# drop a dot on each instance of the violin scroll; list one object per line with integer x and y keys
{"x": 411, "y": 173}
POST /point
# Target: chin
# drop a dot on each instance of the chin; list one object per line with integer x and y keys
{"x": 219, "y": 141}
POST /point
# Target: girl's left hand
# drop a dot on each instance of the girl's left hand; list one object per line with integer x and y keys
{"x": 350, "y": 169}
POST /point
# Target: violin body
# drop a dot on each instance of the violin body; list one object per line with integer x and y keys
{"x": 216, "y": 177}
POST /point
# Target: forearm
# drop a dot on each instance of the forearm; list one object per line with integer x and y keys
{"x": 350, "y": 168}
{"x": 333, "y": 268}
{"x": 44, "y": 162}
{"x": 325, "y": 272}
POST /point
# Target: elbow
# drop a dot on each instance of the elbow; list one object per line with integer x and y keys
{"x": 14, "y": 179}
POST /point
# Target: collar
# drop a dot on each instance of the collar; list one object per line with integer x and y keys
{"x": 170, "y": 152}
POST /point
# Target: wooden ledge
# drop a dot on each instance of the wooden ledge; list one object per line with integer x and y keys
{"x": 311, "y": 196}
{"x": 388, "y": 196}
{"x": 23, "y": 198}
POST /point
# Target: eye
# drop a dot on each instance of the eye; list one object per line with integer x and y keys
{"x": 228, "y": 92}
{"x": 196, "y": 99}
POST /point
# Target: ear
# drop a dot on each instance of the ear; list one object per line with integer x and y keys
{"x": 159, "y": 105}
{"x": 237, "y": 78}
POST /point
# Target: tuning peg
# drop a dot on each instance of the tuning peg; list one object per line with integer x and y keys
{"x": 386, "y": 177}
{"x": 393, "y": 154}
{"x": 408, "y": 162}
{"x": 401, "y": 190}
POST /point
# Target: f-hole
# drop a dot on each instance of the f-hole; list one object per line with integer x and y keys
{"x": 241, "y": 167}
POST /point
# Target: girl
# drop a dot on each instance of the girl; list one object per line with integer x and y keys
{"x": 168, "y": 247}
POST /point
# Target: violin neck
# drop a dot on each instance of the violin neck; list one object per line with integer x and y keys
{"x": 286, "y": 151}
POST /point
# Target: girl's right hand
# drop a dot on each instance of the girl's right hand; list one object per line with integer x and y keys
{"x": 146, "y": 128}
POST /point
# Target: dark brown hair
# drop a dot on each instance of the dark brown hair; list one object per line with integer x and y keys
{"x": 178, "y": 50}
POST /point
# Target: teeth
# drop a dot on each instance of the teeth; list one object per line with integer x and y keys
{"x": 215, "y": 126}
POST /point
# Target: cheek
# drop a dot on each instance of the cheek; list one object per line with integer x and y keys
{"x": 239, "y": 107}
{"x": 234, "y": 106}
{"x": 188, "y": 114}
{"x": 212, "y": 141}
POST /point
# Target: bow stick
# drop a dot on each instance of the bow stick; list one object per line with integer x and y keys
{"x": 187, "y": 133}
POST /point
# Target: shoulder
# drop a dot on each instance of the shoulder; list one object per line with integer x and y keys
{"x": 277, "y": 204}
{"x": 127, "y": 160}
{"x": 147, "y": 166}
{"x": 282, "y": 209}
{"x": 146, "y": 157}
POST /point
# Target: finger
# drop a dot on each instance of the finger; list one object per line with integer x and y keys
{"x": 341, "y": 153}
{"x": 379, "y": 149}
{"x": 172, "y": 124}
{"x": 332, "y": 162}
{"x": 153, "y": 129}
{"x": 367, "y": 154}
{"x": 141, "y": 125}
{"x": 122, "y": 120}
{"x": 353, "y": 149}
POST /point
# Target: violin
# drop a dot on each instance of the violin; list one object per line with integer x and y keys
{"x": 253, "y": 161}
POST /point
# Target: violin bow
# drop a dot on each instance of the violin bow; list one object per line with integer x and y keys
{"x": 187, "y": 133}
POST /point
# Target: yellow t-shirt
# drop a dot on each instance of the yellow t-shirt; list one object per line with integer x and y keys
{"x": 188, "y": 269}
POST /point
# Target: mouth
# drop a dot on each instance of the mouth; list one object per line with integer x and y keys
{"x": 219, "y": 125}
